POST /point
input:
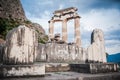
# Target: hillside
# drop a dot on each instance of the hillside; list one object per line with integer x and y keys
{"x": 12, "y": 15}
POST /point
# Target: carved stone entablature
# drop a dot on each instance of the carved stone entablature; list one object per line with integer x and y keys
{"x": 64, "y": 16}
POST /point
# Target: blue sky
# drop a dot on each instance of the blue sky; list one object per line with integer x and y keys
{"x": 102, "y": 14}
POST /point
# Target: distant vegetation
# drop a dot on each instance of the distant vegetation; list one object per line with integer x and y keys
{"x": 8, "y": 24}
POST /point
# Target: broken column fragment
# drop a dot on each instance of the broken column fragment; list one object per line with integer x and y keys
{"x": 20, "y": 46}
{"x": 96, "y": 51}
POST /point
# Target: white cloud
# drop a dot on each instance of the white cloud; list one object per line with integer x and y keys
{"x": 113, "y": 46}
{"x": 42, "y": 21}
{"x": 105, "y": 19}
{"x": 45, "y": 15}
{"x": 112, "y": 42}
{"x": 101, "y": 18}
{"x": 61, "y": 6}
{"x": 113, "y": 49}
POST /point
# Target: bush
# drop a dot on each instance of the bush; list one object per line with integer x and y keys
{"x": 6, "y": 25}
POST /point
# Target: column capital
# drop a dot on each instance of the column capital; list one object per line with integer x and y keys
{"x": 76, "y": 16}
{"x": 65, "y": 20}
{"x": 50, "y": 21}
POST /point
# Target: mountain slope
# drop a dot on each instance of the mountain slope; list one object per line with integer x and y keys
{"x": 12, "y": 15}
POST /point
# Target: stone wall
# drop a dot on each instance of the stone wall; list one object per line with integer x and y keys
{"x": 22, "y": 70}
{"x": 41, "y": 53}
{"x": 20, "y": 46}
{"x": 53, "y": 52}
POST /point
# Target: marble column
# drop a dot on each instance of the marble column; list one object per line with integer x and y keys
{"x": 51, "y": 29}
{"x": 77, "y": 31}
{"x": 64, "y": 30}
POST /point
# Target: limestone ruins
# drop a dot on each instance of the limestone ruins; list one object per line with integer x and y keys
{"x": 19, "y": 41}
{"x": 64, "y": 16}
{"x": 21, "y": 50}
{"x": 75, "y": 52}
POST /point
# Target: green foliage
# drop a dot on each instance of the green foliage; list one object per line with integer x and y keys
{"x": 27, "y": 22}
{"x": 43, "y": 40}
{"x": 6, "y": 25}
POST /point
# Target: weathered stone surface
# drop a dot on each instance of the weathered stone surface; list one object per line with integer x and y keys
{"x": 57, "y": 67}
{"x": 21, "y": 45}
{"x": 2, "y": 45}
{"x": 64, "y": 15}
{"x": 72, "y": 76}
{"x": 11, "y": 9}
{"x": 96, "y": 51}
{"x": 94, "y": 67}
{"x": 41, "y": 53}
{"x": 53, "y": 52}
{"x": 22, "y": 70}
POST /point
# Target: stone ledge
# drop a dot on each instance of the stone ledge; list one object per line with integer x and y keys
{"x": 22, "y": 70}
{"x": 94, "y": 67}
{"x": 82, "y": 68}
{"x": 71, "y": 76}
{"x": 57, "y": 67}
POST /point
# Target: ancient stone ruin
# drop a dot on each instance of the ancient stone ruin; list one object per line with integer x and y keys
{"x": 74, "y": 52}
{"x": 96, "y": 51}
{"x": 22, "y": 55}
{"x": 20, "y": 46}
{"x": 64, "y": 16}
{"x": 19, "y": 53}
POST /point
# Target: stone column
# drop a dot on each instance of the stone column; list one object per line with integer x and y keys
{"x": 77, "y": 31}
{"x": 64, "y": 30}
{"x": 51, "y": 29}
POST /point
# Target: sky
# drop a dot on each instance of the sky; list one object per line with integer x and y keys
{"x": 101, "y": 14}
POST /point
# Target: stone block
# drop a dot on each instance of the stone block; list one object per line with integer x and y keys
{"x": 53, "y": 52}
{"x": 41, "y": 53}
{"x": 22, "y": 70}
{"x": 21, "y": 45}
{"x": 94, "y": 67}
{"x": 57, "y": 67}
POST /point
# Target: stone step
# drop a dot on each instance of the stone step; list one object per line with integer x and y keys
{"x": 71, "y": 76}
{"x": 22, "y": 70}
{"x": 82, "y": 68}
